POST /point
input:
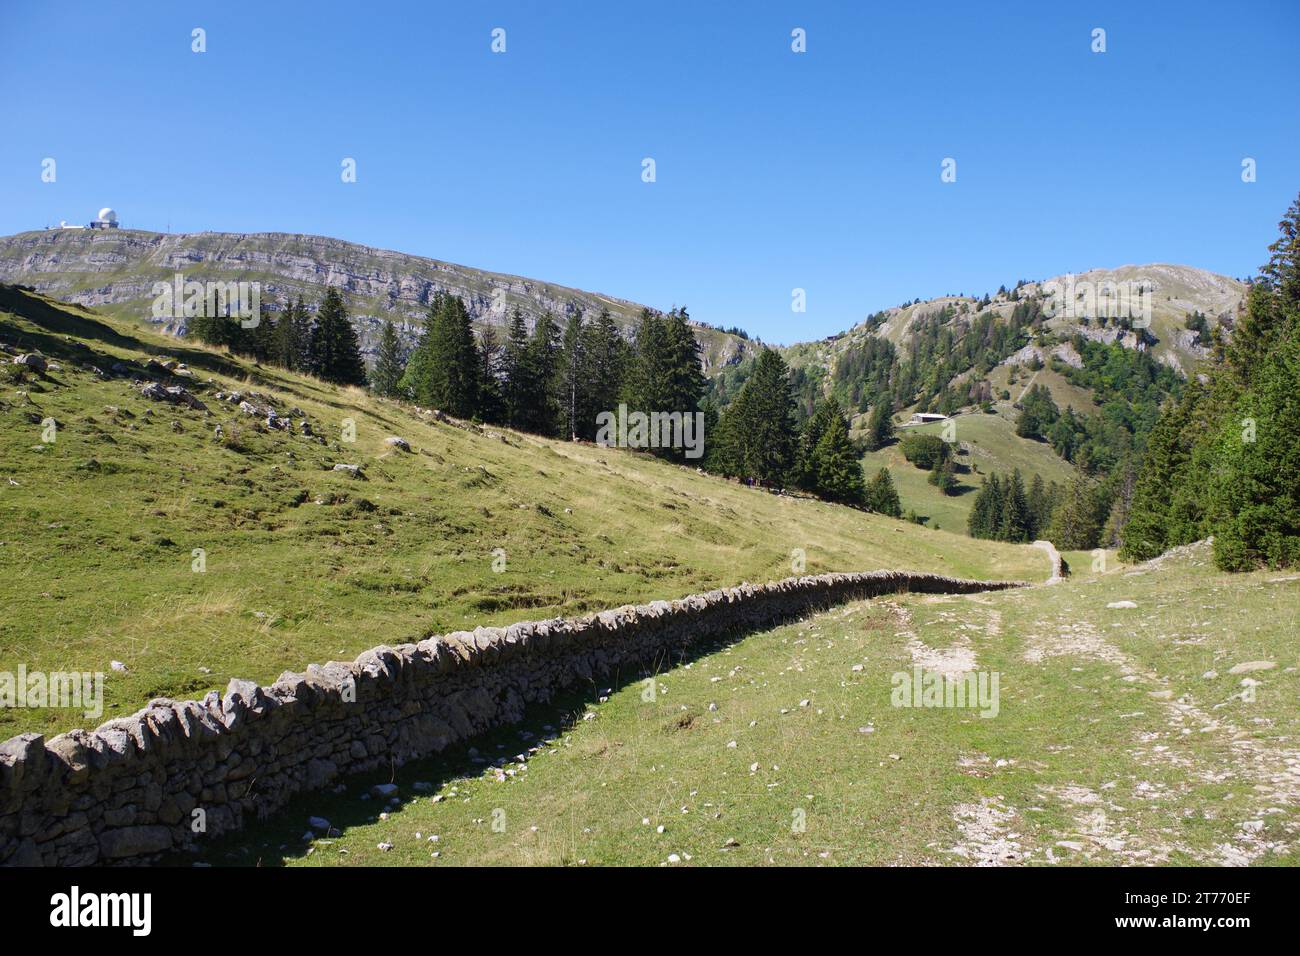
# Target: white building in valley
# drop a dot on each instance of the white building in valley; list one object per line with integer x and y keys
{"x": 925, "y": 418}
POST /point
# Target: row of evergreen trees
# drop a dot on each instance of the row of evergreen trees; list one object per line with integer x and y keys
{"x": 1223, "y": 458}
{"x": 554, "y": 382}
{"x": 757, "y": 437}
{"x": 323, "y": 344}
{"x": 551, "y": 381}
{"x": 1005, "y": 510}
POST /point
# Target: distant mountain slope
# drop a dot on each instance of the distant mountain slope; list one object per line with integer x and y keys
{"x": 115, "y": 271}
{"x": 1176, "y": 290}
{"x": 985, "y": 444}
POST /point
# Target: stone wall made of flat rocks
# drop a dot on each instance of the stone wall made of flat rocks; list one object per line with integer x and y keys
{"x": 129, "y": 791}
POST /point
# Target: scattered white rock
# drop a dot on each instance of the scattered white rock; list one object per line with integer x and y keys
{"x": 1248, "y": 666}
{"x": 33, "y": 360}
{"x": 1113, "y": 605}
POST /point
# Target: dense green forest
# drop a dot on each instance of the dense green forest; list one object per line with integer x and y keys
{"x": 1223, "y": 458}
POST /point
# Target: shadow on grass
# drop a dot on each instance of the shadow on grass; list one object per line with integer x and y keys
{"x": 57, "y": 324}
{"x": 279, "y": 839}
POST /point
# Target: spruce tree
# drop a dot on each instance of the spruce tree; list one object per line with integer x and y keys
{"x": 1221, "y": 461}
{"x": 1255, "y": 495}
{"x": 805, "y": 469}
{"x": 944, "y": 476}
{"x": 986, "y": 512}
{"x": 687, "y": 384}
{"x": 288, "y": 343}
{"x": 516, "y": 385}
{"x": 389, "y": 363}
{"x": 838, "y": 467}
{"x": 574, "y": 385}
{"x": 541, "y": 363}
{"x": 1076, "y": 525}
{"x": 1150, "y": 528}
{"x": 444, "y": 371}
{"x": 880, "y": 425}
{"x": 1014, "y": 521}
{"x": 664, "y": 373}
{"x": 1039, "y": 506}
{"x": 606, "y": 359}
{"x": 335, "y": 352}
{"x": 491, "y": 404}
{"x": 882, "y": 497}
{"x": 757, "y": 437}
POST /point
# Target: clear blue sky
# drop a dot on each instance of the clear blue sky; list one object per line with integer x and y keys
{"x": 775, "y": 170}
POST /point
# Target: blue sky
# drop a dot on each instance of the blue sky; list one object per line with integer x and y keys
{"x": 775, "y": 170}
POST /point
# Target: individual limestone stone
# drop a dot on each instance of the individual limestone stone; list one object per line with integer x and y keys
{"x": 33, "y": 360}
{"x": 1247, "y": 666}
{"x": 134, "y": 841}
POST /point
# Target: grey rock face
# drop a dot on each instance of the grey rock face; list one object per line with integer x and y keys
{"x": 116, "y": 272}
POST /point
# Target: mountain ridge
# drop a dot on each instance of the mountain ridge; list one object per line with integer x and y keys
{"x": 114, "y": 270}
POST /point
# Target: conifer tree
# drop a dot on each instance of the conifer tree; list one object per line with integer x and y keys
{"x": 1039, "y": 506}
{"x": 882, "y": 497}
{"x": 986, "y": 512}
{"x": 1255, "y": 494}
{"x": 664, "y": 373}
{"x": 575, "y": 383}
{"x": 1014, "y": 521}
{"x": 758, "y": 431}
{"x": 389, "y": 363}
{"x": 606, "y": 359}
{"x": 335, "y": 354}
{"x": 1221, "y": 460}
{"x": 805, "y": 469}
{"x": 289, "y": 341}
{"x": 491, "y": 405}
{"x": 540, "y": 411}
{"x": 838, "y": 467}
{"x": 944, "y": 476}
{"x": 880, "y": 425}
{"x": 444, "y": 371}
{"x": 516, "y": 384}
{"x": 1076, "y": 524}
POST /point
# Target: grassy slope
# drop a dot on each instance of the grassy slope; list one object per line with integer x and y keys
{"x": 1064, "y": 394}
{"x": 993, "y": 446}
{"x": 1121, "y": 738}
{"x": 98, "y": 527}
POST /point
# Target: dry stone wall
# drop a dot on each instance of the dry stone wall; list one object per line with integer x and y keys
{"x": 128, "y": 791}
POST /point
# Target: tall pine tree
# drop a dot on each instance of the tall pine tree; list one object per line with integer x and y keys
{"x": 389, "y": 364}
{"x": 335, "y": 354}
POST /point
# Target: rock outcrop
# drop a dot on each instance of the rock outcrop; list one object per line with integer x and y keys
{"x": 115, "y": 271}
